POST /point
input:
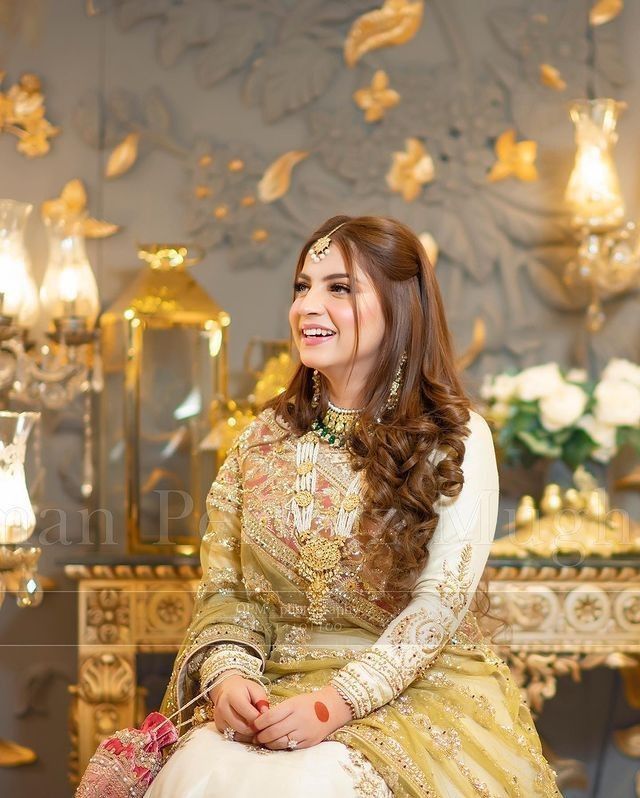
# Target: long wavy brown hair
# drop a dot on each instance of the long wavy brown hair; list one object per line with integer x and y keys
{"x": 402, "y": 482}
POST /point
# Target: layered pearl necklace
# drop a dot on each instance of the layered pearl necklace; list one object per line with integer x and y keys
{"x": 320, "y": 556}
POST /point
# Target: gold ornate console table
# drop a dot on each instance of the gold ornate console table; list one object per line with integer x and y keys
{"x": 560, "y": 620}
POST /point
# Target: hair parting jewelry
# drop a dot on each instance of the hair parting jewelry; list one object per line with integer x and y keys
{"x": 320, "y": 247}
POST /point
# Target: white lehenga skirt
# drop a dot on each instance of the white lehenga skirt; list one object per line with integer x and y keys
{"x": 207, "y": 765}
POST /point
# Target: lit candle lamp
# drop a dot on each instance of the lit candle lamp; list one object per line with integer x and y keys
{"x": 69, "y": 292}
{"x": 593, "y": 191}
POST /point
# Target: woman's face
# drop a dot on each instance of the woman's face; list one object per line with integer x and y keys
{"x": 322, "y": 303}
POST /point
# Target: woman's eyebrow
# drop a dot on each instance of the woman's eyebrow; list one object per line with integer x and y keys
{"x": 328, "y": 277}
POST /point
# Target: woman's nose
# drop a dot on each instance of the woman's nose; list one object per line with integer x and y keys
{"x": 311, "y": 302}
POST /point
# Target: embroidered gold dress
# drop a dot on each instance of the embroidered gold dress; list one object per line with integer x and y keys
{"x": 437, "y": 713}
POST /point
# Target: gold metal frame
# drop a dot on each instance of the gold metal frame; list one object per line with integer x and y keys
{"x": 162, "y": 297}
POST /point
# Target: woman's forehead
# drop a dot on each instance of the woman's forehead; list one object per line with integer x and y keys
{"x": 332, "y": 263}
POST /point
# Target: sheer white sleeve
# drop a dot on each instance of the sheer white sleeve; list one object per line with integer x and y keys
{"x": 458, "y": 552}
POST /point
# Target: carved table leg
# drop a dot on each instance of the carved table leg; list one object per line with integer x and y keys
{"x": 105, "y": 696}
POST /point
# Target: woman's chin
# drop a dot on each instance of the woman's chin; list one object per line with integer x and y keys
{"x": 321, "y": 363}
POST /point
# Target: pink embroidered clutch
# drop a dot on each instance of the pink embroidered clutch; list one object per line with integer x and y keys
{"x": 124, "y": 765}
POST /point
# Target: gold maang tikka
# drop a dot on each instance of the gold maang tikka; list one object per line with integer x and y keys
{"x": 320, "y": 248}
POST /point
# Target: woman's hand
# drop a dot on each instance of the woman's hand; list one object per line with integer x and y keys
{"x": 236, "y": 700}
{"x": 307, "y": 718}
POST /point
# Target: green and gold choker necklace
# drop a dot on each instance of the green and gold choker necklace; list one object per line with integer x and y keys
{"x": 336, "y": 425}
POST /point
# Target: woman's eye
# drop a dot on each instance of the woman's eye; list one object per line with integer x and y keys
{"x": 338, "y": 288}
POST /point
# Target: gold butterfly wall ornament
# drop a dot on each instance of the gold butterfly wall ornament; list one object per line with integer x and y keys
{"x": 377, "y": 98}
{"x": 22, "y": 113}
{"x": 410, "y": 170}
{"x": 515, "y": 158}
{"x": 73, "y": 202}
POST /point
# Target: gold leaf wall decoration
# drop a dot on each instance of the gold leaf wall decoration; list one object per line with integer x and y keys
{"x": 375, "y": 99}
{"x": 476, "y": 346}
{"x": 73, "y": 202}
{"x": 98, "y": 228}
{"x": 22, "y": 113}
{"x": 515, "y": 159}
{"x": 430, "y": 246}
{"x": 395, "y": 23}
{"x": 410, "y": 170}
{"x": 604, "y": 11}
{"x": 14, "y": 755}
{"x": 628, "y": 741}
{"x": 277, "y": 178}
{"x": 124, "y": 155}
{"x": 551, "y": 77}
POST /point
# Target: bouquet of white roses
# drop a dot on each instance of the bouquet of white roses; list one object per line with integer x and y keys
{"x": 544, "y": 411}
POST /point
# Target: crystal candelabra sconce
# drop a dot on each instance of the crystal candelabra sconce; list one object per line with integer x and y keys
{"x": 18, "y": 292}
{"x": 164, "y": 344}
{"x": 67, "y": 365}
{"x": 18, "y": 564}
{"x": 607, "y": 262}
{"x": 69, "y": 293}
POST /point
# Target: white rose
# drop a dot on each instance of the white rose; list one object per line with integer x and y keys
{"x": 486, "y": 389}
{"x": 504, "y": 387}
{"x": 604, "y": 435}
{"x": 499, "y": 412}
{"x": 577, "y": 375}
{"x": 603, "y": 455}
{"x": 617, "y": 403}
{"x": 539, "y": 381}
{"x": 619, "y": 369}
{"x": 563, "y": 407}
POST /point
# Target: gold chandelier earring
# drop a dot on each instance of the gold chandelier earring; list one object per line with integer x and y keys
{"x": 315, "y": 382}
{"x": 394, "y": 391}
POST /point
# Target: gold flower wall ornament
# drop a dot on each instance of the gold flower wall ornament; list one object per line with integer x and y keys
{"x": 395, "y": 23}
{"x": 73, "y": 202}
{"x": 410, "y": 170}
{"x": 375, "y": 99}
{"x": 123, "y": 156}
{"x": 515, "y": 159}
{"x": 277, "y": 177}
{"x": 604, "y": 11}
{"x": 551, "y": 77}
{"x": 22, "y": 113}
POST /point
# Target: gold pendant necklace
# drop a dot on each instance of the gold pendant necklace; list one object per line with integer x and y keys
{"x": 319, "y": 556}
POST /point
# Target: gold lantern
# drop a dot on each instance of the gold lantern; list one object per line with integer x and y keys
{"x": 165, "y": 349}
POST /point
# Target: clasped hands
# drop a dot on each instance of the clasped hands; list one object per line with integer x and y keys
{"x": 308, "y": 718}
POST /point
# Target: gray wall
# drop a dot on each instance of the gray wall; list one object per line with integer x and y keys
{"x": 502, "y": 252}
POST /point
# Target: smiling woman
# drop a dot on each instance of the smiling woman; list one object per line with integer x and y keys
{"x": 348, "y": 530}
{"x": 325, "y": 328}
